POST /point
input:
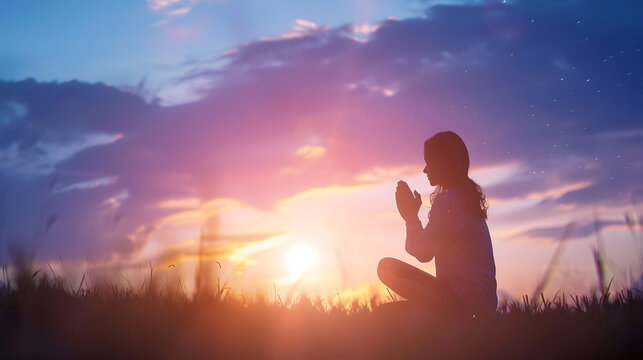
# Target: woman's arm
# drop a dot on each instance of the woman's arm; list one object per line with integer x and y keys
{"x": 424, "y": 243}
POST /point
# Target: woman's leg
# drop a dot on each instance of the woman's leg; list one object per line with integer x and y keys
{"x": 416, "y": 285}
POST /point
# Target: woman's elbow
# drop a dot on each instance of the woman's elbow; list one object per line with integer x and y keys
{"x": 422, "y": 256}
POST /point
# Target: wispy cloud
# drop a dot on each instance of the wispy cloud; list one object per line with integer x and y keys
{"x": 168, "y": 9}
{"x": 579, "y": 231}
{"x": 172, "y": 7}
{"x": 44, "y": 155}
{"x": 311, "y": 152}
{"x": 300, "y": 28}
{"x": 157, "y": 5}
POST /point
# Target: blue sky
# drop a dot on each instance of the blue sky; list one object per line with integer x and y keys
{"x": 122, "y": 41}
{"x": 287, "y": 124}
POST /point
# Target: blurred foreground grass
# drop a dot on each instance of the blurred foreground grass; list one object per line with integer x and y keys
{"x": 46, "y": 318}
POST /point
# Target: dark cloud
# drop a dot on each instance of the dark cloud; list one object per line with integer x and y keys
{"x": 62, "y": 110}
{"x": 579, "y": 230}
{"x": 555, "y": 88}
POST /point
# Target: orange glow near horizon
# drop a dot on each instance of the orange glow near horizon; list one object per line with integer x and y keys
{"x": 327, "y": 241}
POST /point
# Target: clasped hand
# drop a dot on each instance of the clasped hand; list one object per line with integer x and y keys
{"x": 408, "y": 203}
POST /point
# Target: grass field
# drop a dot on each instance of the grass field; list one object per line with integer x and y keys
{"x": 48, "y": 319}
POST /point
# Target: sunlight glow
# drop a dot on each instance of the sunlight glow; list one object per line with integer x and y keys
{"x": 299, "y": 259}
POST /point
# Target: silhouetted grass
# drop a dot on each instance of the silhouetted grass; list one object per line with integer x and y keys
{"x": 44, "y": 317}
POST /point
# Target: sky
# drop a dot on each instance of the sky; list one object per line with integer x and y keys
{"x": 263, "y": 139}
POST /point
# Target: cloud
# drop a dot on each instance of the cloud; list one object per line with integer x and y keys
{"x": 579, "y": 230}
{"x": 171, "y": 7}
{"x": 311, "y": 152}
{"x": 157, "y": 5}
{"x": 168, "y": 11}
{"x": 11, "y": 111}
{"x": 179, "y": 12}
{"x": 105, "y": 181}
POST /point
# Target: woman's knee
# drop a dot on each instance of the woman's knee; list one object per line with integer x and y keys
{"x": 385, "y": 266}
{"x": 382, "y": 266}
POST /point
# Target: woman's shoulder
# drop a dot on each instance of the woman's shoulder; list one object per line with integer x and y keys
{"x": 449, "y": 196}
{"x": 449, "y": 199}
{"x": 453, "y": 200}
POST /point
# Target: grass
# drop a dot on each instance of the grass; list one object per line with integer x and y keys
{"x": 43, "y": 317}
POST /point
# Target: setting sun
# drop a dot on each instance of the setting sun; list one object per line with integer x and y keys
{"x": 299, "y": 259}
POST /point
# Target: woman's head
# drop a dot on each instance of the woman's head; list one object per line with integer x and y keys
{"x": 447, "y": 166}
{"x": 447, "y": 159}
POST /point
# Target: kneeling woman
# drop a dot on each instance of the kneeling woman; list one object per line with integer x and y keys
{"x": 456, "y": 236}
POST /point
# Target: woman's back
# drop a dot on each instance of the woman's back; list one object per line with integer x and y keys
{"x": 466, "y": 261}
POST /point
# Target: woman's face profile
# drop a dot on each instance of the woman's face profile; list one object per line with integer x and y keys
{"x": 431, "y": 169}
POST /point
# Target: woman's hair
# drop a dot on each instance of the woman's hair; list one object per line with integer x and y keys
{"x": 449, "y": 152}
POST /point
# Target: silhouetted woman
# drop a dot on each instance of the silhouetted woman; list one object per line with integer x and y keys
{"x": 456, "y": 236}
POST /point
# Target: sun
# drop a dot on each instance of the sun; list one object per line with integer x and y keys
{"x": 300, "y": 258}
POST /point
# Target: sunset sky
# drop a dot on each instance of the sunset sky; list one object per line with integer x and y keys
{"x": 275, "y": 131}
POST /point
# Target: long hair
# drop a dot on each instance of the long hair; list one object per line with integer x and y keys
{"x": 452, "y": 157}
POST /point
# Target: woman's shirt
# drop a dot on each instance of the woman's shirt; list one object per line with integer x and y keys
{"x": 460, "y": 242}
